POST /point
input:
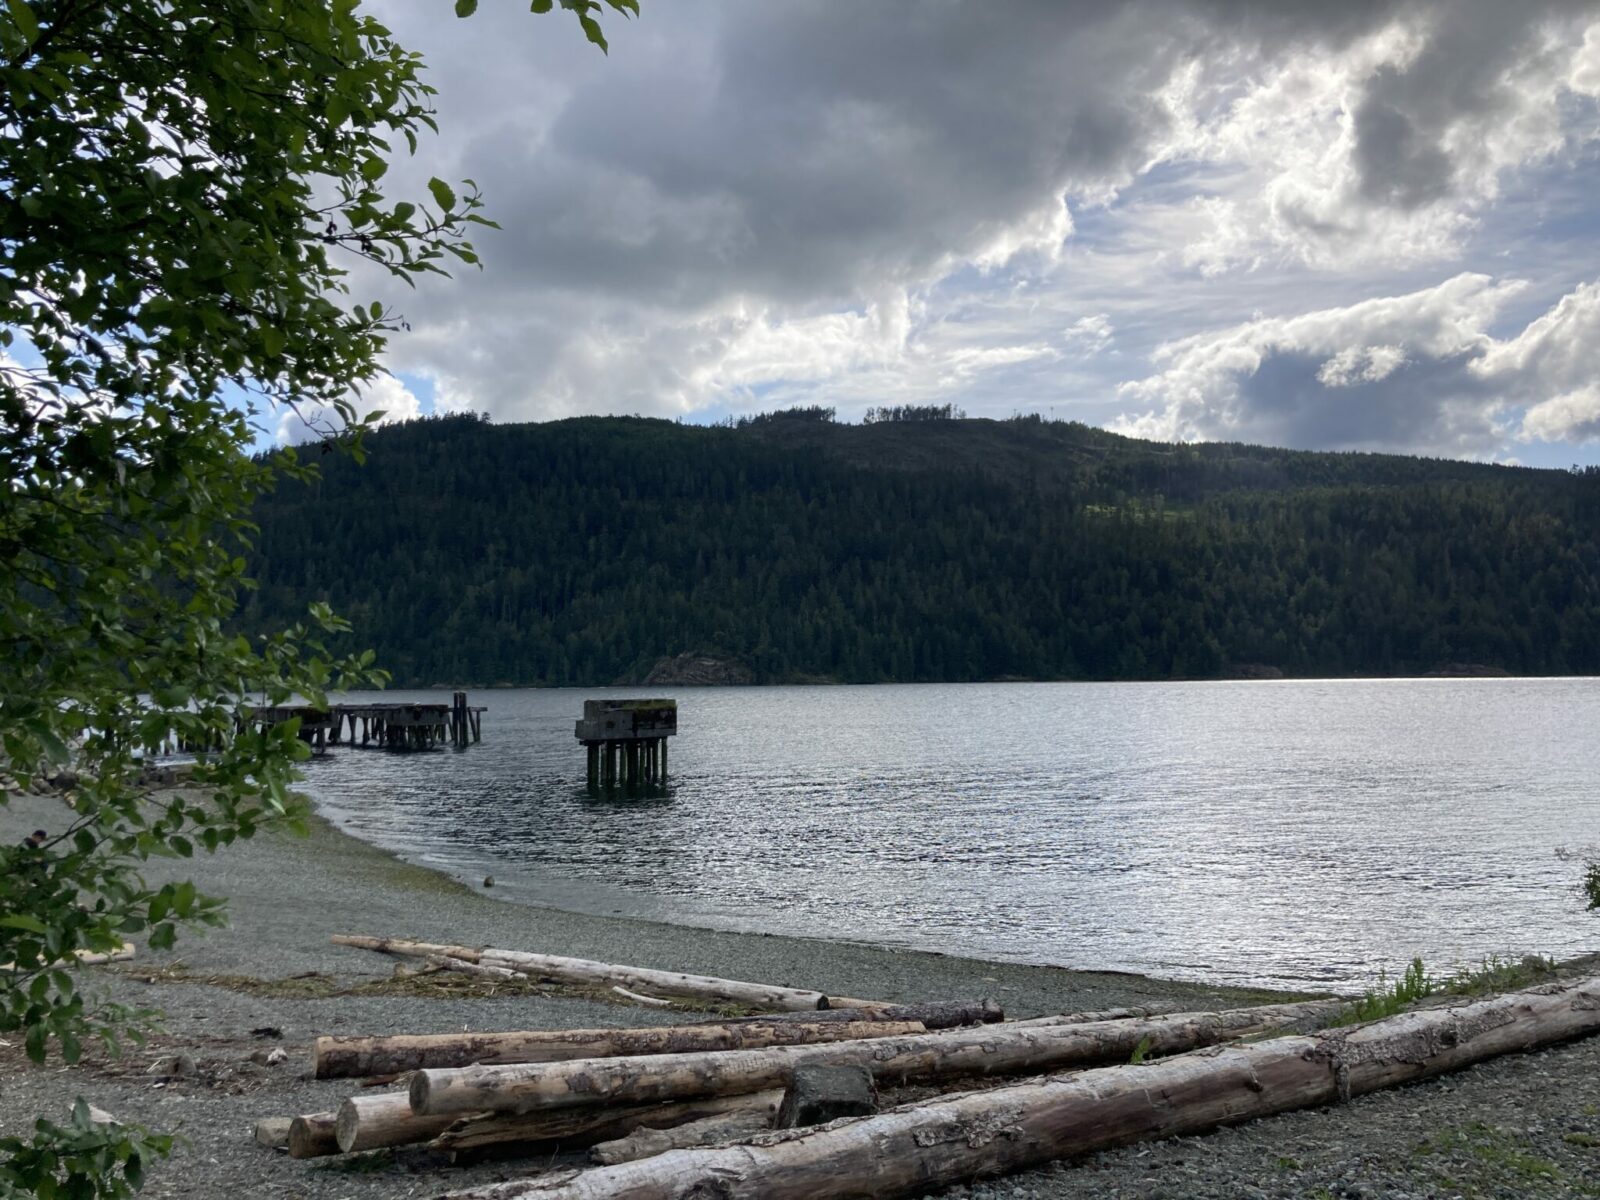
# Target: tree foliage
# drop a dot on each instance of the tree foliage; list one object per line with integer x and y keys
{"x": 187, "y": 185}
{"x": 580, "y": 552}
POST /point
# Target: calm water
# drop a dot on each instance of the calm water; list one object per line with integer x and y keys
{"x": 1288, "y": 833}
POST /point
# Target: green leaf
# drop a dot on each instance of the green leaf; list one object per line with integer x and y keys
{"x": 23, "y": 922}
{"x": 22, "y": 14}
{"x": 35, "y": 1040}
{"x": 591, "y": 29}
{"x": 465, "y": 8}
{"x": 541, "y": 6}
{"x": 54, "y": 748}
{"x": 443, "y": 195}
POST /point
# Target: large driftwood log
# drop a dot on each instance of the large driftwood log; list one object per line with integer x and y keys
{"x": 987, "y": 1050}
{"x": 577, "y": 1127}
{"x": 1299, "y": 1016}
{"x": 946, "y": 1014}
{"x": 384, "y": 1119}
{"x": 348, "y": 1057}
{"x": 1105, "y": 1014}
{"x": 405, "y": 948}
{"x": 708, "y": 1131}
{"x": 313, "y": 1135}
{"x": 912, "y": 1150}
{"x": 583, "y": 970}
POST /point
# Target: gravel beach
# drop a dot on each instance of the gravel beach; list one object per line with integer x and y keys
{"x": 1527, "y": 1125}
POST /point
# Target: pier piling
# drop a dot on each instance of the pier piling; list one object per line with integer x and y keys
{"x": 626, "y": 737}
{"x": 390, "y": 726}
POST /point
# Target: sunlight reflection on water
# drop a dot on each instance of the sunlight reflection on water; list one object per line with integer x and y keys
{"x": 1286, "y": 833}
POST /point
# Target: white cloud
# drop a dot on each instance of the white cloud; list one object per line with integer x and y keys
{"x": 742, "y": 207}
{"x": 386, "y": 395}
{"x": 1088, "y": 336}
{"x": 1570, "y": 417}
{"x": 1386, "y": 150}
{"x": 1391, "y": 372}
{"x": 1361, "y": 364}
{"x": 1551, "y": 368}
{"x": 1418, "y": 372}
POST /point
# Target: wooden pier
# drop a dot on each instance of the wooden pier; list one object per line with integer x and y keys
{"x": 626, "y": 741}
{"x": 386, "y": 726}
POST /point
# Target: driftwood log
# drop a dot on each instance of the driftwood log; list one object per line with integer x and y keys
{"x": 1105, "y": 1014}
{"x": 708, "y": 1131}
{"x": 945, "y": 1014}
{"x": 350, "y": 1057}
{"x": 314, "y": 1135}
{"x": 988, "y": 1050}
{"x": 917, "y": 1148}
{"x": 1296, "y": 1017}
{"x": 639, "y": 998}
{"x": 87, "y": 958}
{"x": 579, "y": 1127}
{"x": 384, "y": 1119}
{"x": 464, "y": 966}
{"x": 586, "y": 971}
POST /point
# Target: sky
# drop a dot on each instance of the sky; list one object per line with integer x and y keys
{"x": 1344, "y": 226}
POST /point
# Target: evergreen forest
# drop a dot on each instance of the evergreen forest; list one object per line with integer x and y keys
{"x": 923, "y": 546}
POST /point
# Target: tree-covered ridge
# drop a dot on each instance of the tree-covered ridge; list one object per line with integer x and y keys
{"x": 579, "y": 552}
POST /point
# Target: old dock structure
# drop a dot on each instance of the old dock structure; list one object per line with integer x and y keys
{"x": 626, "y": 741}
{"x": 388, "y": 726}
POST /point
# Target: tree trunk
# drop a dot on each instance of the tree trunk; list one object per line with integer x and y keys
{"x": 708, "y": 1131}
{"x": 919, "y": 1148}
{"x": 313, "y": 1135}
{"x": 947, "y": 1014}
{"x": 386, "y": 1119}
{"x": 586, "y": 1126}
{"x": 347, "y": 1057}
{"x": 582, "y": 970}
{"x": 987, "y": 1050}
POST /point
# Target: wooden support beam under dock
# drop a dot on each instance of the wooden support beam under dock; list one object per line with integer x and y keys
{"x": 625, "y": 741}
{"x": 392, "y": 726}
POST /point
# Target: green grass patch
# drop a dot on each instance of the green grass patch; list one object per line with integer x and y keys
{"x": 1501, "y": 1151}
{"x": 1387, "y": 999}
{"x": 1493, "y": 976}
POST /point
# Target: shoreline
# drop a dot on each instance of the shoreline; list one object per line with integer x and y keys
{"x": 344, "y": 884}
{"x": 1438, "y": 676}
{"x": 272, "y": 979}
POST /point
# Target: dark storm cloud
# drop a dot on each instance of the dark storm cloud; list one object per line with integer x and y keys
{"x": 735, "y": 173}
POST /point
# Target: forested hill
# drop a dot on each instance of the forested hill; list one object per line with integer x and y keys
{"x": 583, "y": 551}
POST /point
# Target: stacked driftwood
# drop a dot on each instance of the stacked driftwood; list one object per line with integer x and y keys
{"x": 689, "y": 1110}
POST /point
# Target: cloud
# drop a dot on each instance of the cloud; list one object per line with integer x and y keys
{"x": 1389, "y": 148}
{"x": 748, "y": 203}
{"x": 1418, "y": 372}
{"x": 386, "y": 395}
{"x": 1551, "y": 369}
{"x": 1385, "y": 373}
{"x": 1089, "y": 335}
